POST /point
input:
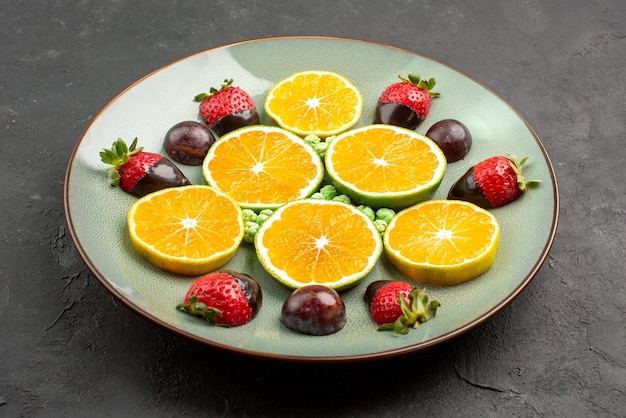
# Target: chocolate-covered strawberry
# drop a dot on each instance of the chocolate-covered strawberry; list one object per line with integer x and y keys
{"x": 223, "y": 298}
{"x": 492, "y": 183}
{"x": 227, "y": 108}
{"x": 140, "y": 172}
{"x": 398, "y": 306}
{"x": 406, "y": 103}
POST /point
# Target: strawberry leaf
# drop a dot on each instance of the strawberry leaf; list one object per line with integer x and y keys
{"x": 108, "y": 157}
{"x": 116, "y": 156}
{"x": 120, "y": 148}
{"x": 414, "y": 78}
{"x": 428, "y": 86}
{"x": 516, "y": 165}
{"x": 414, "y": 312}
{"x": 201, "y": 310}
{"x": 202, "y": 96}
{"x": 114, "y": 176}
{"x": 423, "y": 84}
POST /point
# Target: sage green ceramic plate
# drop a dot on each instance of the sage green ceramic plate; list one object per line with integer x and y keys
{"x": 96, "y": 213}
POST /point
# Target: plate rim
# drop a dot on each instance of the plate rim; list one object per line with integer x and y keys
{"x": 449, "y": 336}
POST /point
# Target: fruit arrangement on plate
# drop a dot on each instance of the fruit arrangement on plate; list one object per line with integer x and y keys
{"x": 320, "y": 200}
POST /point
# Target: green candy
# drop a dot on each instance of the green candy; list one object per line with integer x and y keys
{"x": 380, "y": 225}
{"x": 342, "y": 198}
{"x": 250, "y": 230}
{"x": 385, "y": 214}
{"x": 367, "y": 211}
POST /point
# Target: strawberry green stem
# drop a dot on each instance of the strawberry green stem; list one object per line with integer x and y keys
{"x": 516, "y": 165}
{"x": 419, "y": 311}
{"x": 423, "y": 84}
{"x": 117, "y": 156}
{"x": 200, "y": 97}
{"x": 199, "y": 309}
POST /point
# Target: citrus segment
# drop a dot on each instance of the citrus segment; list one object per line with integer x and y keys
{"x": 187, "y": 230}
{"x": 263, "y": 167}
{"x": 385, "y": 166}
{"x": 442, "y": 242}
{"x": 322, "y": 103}
{"x": 318, "y": 242}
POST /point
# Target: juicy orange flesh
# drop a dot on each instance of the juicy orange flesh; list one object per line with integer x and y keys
{"x": 320, "y": 245}
{"x": 191, "y": 225}
{"x": 379, "y": 160}
{"x": 312, "y": 102}
{"x": 441, "y": 234}
{"x": 262, "y": 167}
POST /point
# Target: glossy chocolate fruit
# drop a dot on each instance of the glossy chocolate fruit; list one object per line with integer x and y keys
{"x": 453, "y": 137}
{"x": 314, "y": 310}
{"x": 188, "y": 142}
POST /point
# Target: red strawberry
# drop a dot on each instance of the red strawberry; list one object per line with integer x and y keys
{"x": 493, "y": 182}
{"x": 223, "y": 298}
{"x": 396, "y": 305}
{"x": 406, "y": 103}
{"x": 139, "y": 172}
{"x": 227, "y": 109}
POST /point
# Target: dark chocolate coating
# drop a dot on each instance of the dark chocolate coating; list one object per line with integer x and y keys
{"x": 314, "y": 310}
{"x": 397, "y": 114}
{"x": 236, "y": 120}
{"x": 372, "y": 289}
{"x": 161, "y": 175}
{"x": 250, "y": 288}
{"x": 188, "y": 142}
{"x": 467, "y": 189}
{"x": 453, "y": 137}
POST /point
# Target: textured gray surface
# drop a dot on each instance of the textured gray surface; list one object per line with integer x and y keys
{"x": 68, "y": 348}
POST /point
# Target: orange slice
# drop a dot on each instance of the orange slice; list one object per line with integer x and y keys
{"x": 318, "y": 242}
{"x": 263, "y": 167}
{"x": 442, "y": 242}
{"x": 322, "y": 103}
{"x": 188, "y": 230}
{"x": 385, "y": 166}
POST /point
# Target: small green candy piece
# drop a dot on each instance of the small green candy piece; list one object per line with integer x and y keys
{"x": 312, "y": 139}
{"x": 342, "y": 198}
{"x": 317, "y": 195}
{"x": 385, "y": 214}
{"x": 367, "y": 211}
{"x": 263, "y": 215}
{"x": 250, "y": 230}
{"x": 380, "y": 225}
{"x": 328, "y": 192}
{"x": 261, "y": 219}
{"x": 321, "y": 149}
{"x": 317, "y": 144}
{"x": 248, "y": 215}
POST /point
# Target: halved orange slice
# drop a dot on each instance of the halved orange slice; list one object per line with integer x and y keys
{"x": 442, "y": 242}
{"x": 385, "y": 166}
{"x": 187, "y": 230}
{"x": 263, "y": 167}
{"x": 322, "y": 103}
{"x": 318, "y": 242}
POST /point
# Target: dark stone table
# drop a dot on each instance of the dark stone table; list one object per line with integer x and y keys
{"x": 69, "y": 348}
